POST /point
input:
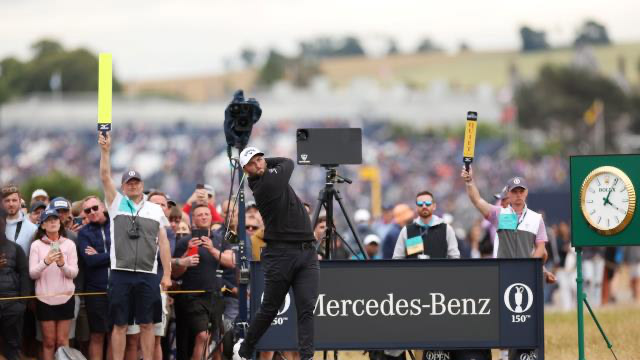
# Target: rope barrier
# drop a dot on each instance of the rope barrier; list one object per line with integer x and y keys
{"x": 94, "y": 294}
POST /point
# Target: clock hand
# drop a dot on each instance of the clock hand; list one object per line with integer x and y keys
{"x": 606, "y": 200}
{"x": 615, "y": 207}
{"x": 609, "y": 194}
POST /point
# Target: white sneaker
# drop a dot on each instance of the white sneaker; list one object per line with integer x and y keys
{"x": 236, "y": 351}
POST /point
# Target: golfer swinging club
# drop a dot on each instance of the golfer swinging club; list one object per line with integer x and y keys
{"x": 289, "y": 259}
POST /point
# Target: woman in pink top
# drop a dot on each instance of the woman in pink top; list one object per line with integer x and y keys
{"x": 53, "y": 264}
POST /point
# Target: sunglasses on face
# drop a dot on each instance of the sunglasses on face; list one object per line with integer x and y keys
{"x": 423, "y": 203}
{"x": 93, "y": 208}
{"x": 252, "y": 227}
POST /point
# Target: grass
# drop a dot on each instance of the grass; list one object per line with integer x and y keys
{"x": 619, "y": 324}
{"x": 473, "y": 68}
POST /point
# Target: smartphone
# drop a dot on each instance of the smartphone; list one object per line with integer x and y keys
{"x": 199, "y": 186}
{"x": 197, "y": 233}
{"x": 192, "y": 251}
{"x": 55, "y": 246}
{"x": 77, "y": 220}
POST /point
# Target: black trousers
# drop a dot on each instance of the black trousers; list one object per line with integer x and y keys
{"x": 287, "y": 265}
{"x": 11, "y": 320}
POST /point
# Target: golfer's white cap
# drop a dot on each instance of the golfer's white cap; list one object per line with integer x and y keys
{"x": 247, "y": 154}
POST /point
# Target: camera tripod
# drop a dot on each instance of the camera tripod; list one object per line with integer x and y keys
{"x": 325, "y": 199}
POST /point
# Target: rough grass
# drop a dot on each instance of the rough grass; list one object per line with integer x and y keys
{"x": 473, "y": 68}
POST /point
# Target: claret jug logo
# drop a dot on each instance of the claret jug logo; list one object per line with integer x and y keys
{"x": 518, "y": 290}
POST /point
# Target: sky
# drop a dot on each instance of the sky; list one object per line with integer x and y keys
{"x": 160, "y": 39}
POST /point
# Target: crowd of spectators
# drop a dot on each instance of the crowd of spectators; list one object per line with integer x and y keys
{"x": 174, "y": 160}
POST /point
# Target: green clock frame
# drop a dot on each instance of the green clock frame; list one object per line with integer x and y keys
{"x": 581, "y": 233}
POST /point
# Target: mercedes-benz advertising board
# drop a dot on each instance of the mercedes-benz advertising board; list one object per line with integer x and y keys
{"x": 417, "y": 304}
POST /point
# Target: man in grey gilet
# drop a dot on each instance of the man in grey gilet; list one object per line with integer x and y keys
{"x": 521, "y": 231}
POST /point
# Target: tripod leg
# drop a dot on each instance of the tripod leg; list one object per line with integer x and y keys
{"x": 316, "y": 214}
{"x": 353, "y": 252}
{"x": 353, "y": 230}
{"x": 316, "y": 210}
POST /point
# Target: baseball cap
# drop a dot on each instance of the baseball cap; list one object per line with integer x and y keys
{"x": 516, "y": 182}
{"x": 502, "y": 194}
{"x": 37, "y": 205}
{"x": 362, "y": 216}
{"x": 47, "y": 214}
{"x": 371, "y": 238}
{"x": 130, "y": 174}
{"x": 247, "y": 154}
{"x": 251, "y": 204}
{"x": 39, "y": 192}
{"x": 59, "y": 203}
{"x": 170, "y": 201}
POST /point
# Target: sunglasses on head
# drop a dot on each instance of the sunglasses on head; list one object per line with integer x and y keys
{"x": 8, "y": 190}
{"x": 422, "y": 203}
{"x": 93, "y": 208}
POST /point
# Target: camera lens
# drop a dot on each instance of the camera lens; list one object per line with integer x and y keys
{"x": 302, "y": 135}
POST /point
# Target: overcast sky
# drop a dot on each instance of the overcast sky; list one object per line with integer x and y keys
{"x": 165, "y": 39}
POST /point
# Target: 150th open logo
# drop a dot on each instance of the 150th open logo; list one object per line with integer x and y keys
{"x": 279, "y": 320}
{"x": 514, "y": 299}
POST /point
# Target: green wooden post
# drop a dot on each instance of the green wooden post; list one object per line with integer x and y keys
{"x": 580, "y": 297}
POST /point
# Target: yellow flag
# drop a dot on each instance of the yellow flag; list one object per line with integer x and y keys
{"x": 469, "y": 146}
{"x": 594, "y": 112}
{"x": 104, "y": 92}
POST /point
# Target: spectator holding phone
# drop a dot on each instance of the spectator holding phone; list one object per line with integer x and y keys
{"x": 200, "y": 255}
{"x": 80, "y": 321}
{"x": 203, "y": 195}
{"x": 53, "y": 264}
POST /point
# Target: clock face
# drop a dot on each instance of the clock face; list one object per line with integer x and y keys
{"x": 608, "y": 200}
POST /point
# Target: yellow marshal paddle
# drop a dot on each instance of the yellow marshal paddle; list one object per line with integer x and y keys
{"x": 469, "y": 139}
{"x": 104, "y": 93}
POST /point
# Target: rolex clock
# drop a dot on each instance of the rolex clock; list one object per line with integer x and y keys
{"x": 608, "y": 200}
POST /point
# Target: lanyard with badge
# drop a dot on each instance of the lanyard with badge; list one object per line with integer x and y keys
{"x": 415, "y": 245}
{"x": 511, "y": 221}
{"x": 134, "y": 232}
